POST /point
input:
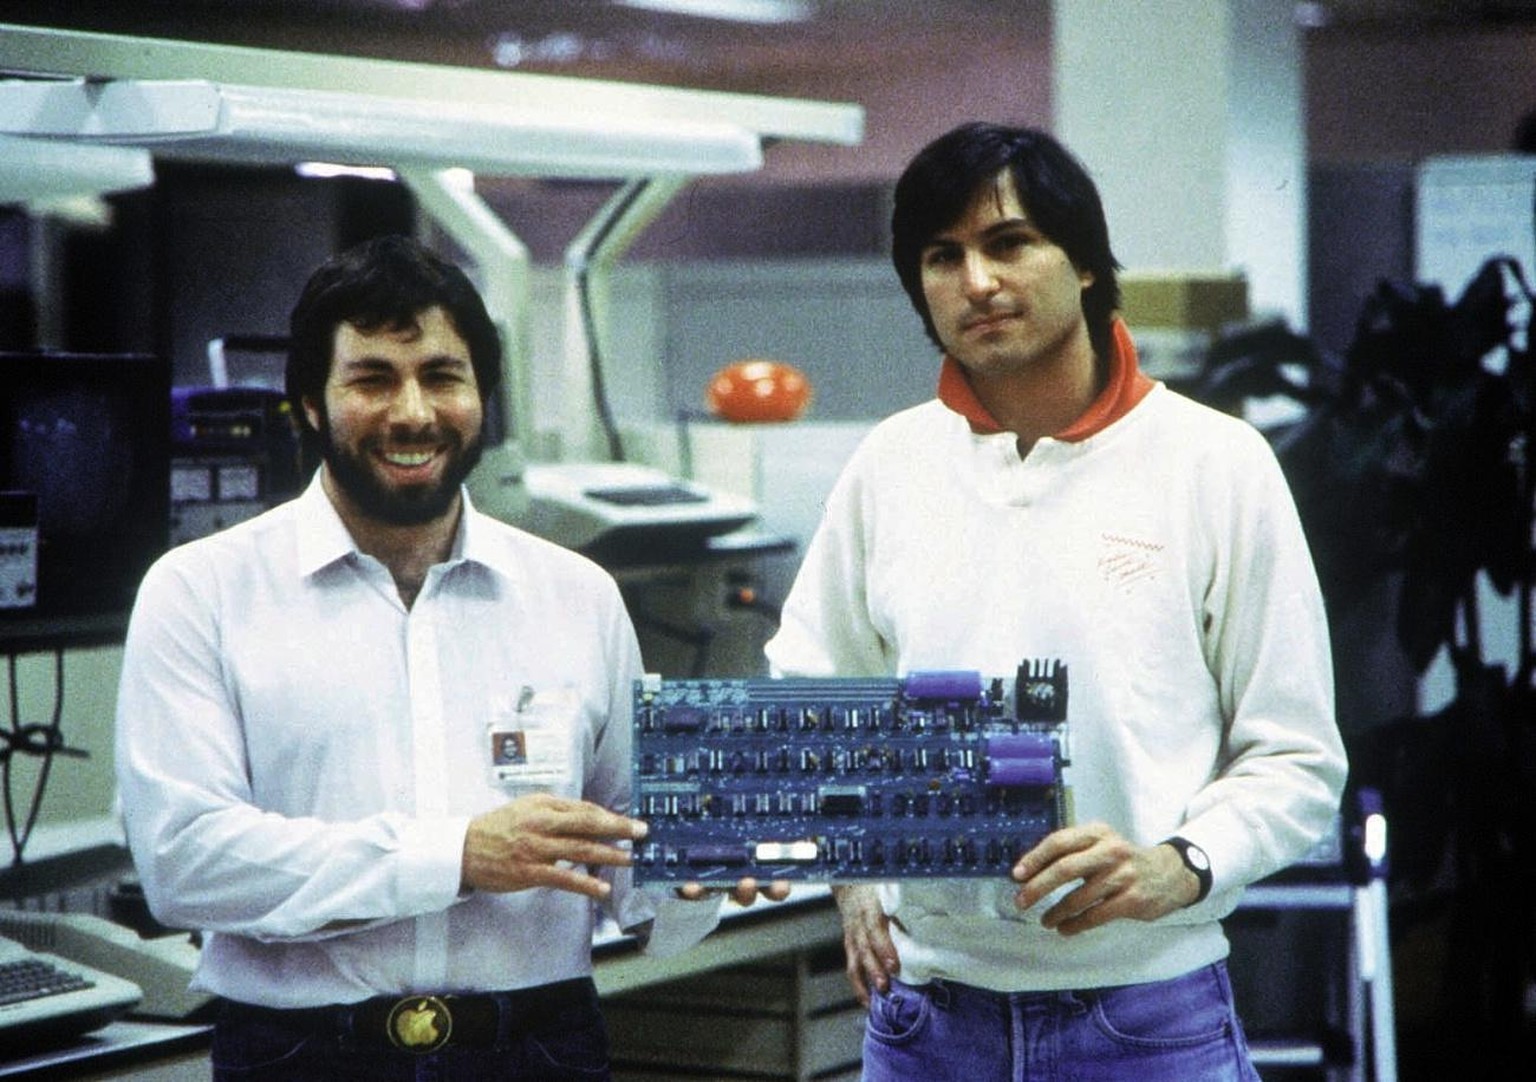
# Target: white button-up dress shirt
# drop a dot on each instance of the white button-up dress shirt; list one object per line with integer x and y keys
{"x": 299, "y": 756}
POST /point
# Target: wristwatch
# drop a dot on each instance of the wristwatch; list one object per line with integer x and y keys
{"x": 1195, "y": 860}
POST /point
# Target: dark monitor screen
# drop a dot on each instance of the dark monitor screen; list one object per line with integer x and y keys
{"x": 84, "y": 474}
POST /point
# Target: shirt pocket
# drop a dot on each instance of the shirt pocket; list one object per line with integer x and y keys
{"x": 538, "y": 746}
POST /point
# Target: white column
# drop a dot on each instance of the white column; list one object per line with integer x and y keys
{"x": 1189, "y": 115}
{"x": 1267, "y": 158}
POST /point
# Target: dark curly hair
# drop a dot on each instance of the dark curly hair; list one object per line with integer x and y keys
{"x": 382, "y": 284}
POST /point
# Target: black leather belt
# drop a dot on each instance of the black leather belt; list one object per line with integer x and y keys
{"x": 426, "y": 1022}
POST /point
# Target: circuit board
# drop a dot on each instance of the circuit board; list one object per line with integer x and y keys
{"x": 940, "y": 774}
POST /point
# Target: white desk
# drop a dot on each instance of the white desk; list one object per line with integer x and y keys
{"x": 164, "y": 1052}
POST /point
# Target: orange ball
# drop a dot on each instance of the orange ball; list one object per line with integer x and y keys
{"x": 758, "y": 390}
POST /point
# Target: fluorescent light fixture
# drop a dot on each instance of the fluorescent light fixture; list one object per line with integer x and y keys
{"x": 328, "y": 170}
{"x": 482, "y": 138}
{"x": 50, "y": 53}
{"x": 34, "y": 170}
{"x": 276, "y": 125}
{"x": 736, "y": 11}
{"x": 116, "y": 109}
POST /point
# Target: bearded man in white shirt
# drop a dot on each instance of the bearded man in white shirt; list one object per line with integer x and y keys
{"x": 374, "y": 744}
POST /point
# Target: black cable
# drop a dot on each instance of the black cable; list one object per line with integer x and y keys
{"x": 589, "y": 324}
{"x": 43, "y": 741}
{"x": 685, "y": 419}
{"x": 595, "y": 365}
{"x": 700, "y": 636}
{"x": 12, "y": 739}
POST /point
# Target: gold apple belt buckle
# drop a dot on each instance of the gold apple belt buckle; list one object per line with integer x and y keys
{"x": 419, "y": 1024}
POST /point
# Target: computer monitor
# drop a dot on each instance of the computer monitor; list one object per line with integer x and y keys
{"x": 84, "y": 491}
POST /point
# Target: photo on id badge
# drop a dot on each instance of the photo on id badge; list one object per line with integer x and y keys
{"x": 530, "y": 743}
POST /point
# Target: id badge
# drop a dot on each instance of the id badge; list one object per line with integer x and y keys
{"x": 529, "y": 745}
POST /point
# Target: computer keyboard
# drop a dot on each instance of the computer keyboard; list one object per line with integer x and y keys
{"x": 646, "y": 495}
{"x": 162, "y": 967}
{"x": 31, "y": 978}
{"x": 45, "y": 998}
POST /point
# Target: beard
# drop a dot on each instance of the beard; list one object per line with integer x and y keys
{"x": 408, "y": 506}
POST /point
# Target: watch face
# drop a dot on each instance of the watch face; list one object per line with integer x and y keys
{"x": 1197, "y": 858}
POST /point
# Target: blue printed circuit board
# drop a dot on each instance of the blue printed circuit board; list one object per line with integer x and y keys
{"x": 933, "y": 775}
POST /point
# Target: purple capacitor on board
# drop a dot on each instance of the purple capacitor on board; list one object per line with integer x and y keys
{"x": 944, "y": 685}
{"x": 1015, "y": 759}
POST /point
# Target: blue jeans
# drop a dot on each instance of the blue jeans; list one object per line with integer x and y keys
{"x": 1181, "y": 1030}
{"x": 571, "y": 1048}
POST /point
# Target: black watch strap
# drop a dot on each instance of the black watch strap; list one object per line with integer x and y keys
{"x": 1195, "y": 860}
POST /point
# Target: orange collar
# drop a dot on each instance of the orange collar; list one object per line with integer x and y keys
{"x": 1127, "y": 386}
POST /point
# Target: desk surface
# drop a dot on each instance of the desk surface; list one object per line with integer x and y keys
{"x": 807, "y": 919}
{"x": 120, "y": 1044}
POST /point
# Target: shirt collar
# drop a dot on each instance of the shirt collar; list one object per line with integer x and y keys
{"x": 1127, "y": 385}
{"x": 475, "y": 541}
{"x": 324, "y": 538}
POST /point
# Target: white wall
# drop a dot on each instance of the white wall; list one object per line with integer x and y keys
{"x": 77, "y": 788}
{"x": 1188, "y": 114}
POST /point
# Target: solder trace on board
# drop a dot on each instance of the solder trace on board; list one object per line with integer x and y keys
{"x": 938, "y": 774}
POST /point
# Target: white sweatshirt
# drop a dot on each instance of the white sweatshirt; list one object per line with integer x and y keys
{"x": 1161, "y": 558}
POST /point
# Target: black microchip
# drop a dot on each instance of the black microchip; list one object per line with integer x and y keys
{"x": 848, "y": 801}
{"x": 717, "y": 854}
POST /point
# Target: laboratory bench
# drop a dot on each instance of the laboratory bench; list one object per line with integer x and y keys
{"x": 764, "y": 993}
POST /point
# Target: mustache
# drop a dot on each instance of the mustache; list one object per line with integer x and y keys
{"x": 988, "y": 315}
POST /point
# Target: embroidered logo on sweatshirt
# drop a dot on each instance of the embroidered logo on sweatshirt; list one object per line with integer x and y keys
{"x": 1125, "y": 561}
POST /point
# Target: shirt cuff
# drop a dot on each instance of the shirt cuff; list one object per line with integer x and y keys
{"x": 431, "y": 865}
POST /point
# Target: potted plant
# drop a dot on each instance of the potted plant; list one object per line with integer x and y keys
{"x": 1411, "y": 461}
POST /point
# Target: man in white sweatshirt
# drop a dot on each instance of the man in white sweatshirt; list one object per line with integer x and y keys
{"x": 1053, "y": 501}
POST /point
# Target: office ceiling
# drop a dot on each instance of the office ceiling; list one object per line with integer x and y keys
{"x": 819, "y": 41}
{"x": 596, "y": 38}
